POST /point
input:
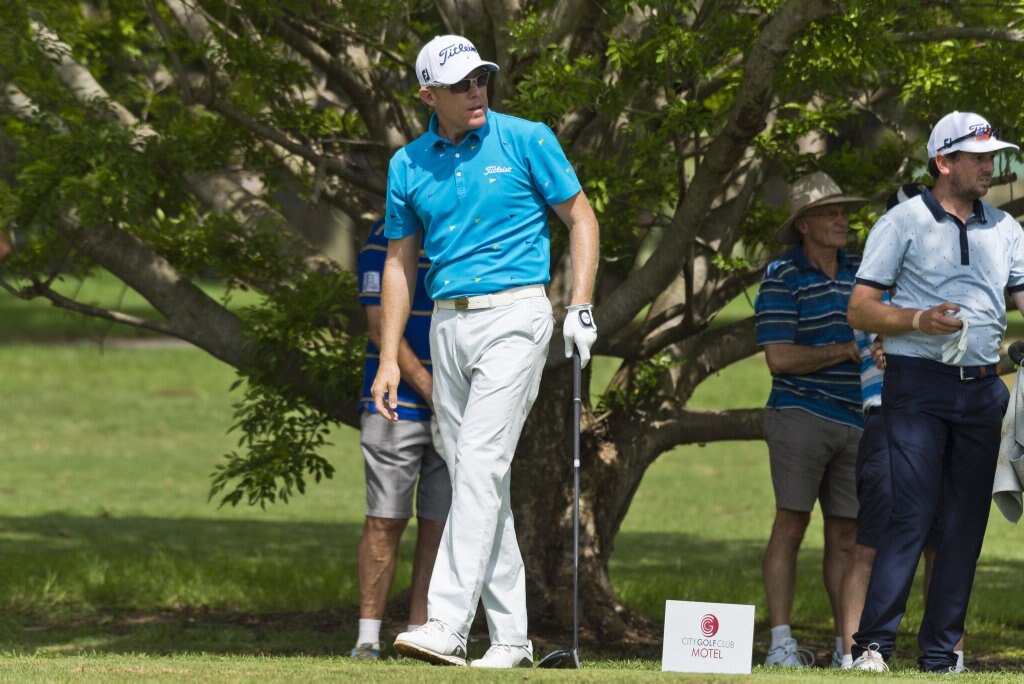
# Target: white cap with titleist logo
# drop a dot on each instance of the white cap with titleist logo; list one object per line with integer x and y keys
{"x": 448, "y": 59}
{"x": 964, "y": 132}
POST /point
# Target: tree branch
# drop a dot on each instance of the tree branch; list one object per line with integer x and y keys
{"x": 961, "y": 33}
{"x": 746, "y": 119}
{"x": 40, "y": 289}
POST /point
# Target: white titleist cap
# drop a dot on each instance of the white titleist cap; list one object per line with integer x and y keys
{"x": 964, "y": 132}
{"x": 448, "y": 59}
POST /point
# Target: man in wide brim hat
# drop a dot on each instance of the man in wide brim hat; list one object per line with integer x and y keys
{"x": 809, "y": 192}
{"x": 814, "y": 414}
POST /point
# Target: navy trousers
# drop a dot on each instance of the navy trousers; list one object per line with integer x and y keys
{"x": 944, "y": 435}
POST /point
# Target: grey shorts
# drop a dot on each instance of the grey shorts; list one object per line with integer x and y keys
{"x": 396, "y": 454}
{"x": 812, "y": 459}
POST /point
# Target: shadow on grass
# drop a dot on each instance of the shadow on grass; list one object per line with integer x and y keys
{"x": 74, "y": 584}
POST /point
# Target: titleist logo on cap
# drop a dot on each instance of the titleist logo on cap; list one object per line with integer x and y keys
{"x": 452, "y": 50}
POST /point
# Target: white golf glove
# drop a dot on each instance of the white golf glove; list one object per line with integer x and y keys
{"x": 579, "y": 328}
{"x": 954, "y": 350}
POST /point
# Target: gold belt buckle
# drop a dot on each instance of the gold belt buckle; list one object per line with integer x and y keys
{"x": 461, "y": 303}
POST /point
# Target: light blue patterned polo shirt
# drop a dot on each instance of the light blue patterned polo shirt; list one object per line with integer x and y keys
{"x": 925, "y": 256}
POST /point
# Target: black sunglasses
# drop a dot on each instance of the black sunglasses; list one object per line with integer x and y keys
{"x": 465, "y": 84}
{"x": 979, "y": 134}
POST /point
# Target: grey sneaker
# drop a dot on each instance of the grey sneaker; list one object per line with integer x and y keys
{"x": 503, "y": 656}
{"x": 365, "y": 652}
{"x": 787, "y": 654}
{"x": 434, "y": 642}
{"x": 871, "y": 660}
{"x": 837, "y": 660}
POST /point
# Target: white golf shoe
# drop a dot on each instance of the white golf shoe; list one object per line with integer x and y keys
{"x": 787, "y": 654}
{"x": 871, "y": 660}
{"x": 434, "y": 642}
{"x": 503, "y": 656}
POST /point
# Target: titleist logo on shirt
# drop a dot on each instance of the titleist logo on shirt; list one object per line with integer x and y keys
{"x": 453, "y": 50}
{"x": 497, "y": 169}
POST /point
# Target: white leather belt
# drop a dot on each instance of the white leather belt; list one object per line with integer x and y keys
{"x": 489, "y": 301}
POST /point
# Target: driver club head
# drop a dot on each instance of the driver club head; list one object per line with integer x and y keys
{"x": 566, "y": 659}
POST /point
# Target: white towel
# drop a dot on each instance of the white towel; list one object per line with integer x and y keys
{"x": 954, "y": 350}
{"x": 1007, "y": 487}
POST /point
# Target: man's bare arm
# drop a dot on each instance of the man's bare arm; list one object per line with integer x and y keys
{"x": 5, "y": 246}
{"x": 398, "y": 284}
{"x": 867, "y": 312}
{"x": 410, "y": 367}
{"x": 584, "y": 245}
{"x": 801, "y": 359}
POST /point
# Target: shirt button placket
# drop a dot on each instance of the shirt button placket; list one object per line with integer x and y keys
{"x": 460, "y": 181}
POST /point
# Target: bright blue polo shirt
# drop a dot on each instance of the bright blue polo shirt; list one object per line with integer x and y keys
{"x": 417, "y": 330}
{"x": 926, "y": 256}
{"x": 799, "y": 304}
{"x": 482, "y": 204}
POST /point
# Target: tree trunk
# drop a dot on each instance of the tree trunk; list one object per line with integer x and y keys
{"x": 614, "y": 455}
{"x": 542, "y": 494}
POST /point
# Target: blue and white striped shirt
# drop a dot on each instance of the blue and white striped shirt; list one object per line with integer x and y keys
{"x": 870, "y": 374}
{"x": 799, "y": 304}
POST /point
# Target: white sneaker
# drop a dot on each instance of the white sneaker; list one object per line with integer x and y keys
{"x": 871, "y": 660}
{"x": 434, "y": 642}
{"x": 503, "y": 656}
{"x": 787, "y": 654}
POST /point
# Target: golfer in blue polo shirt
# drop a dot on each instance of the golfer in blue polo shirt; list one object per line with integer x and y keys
{"x": 475, "y": 190}
{"x": 947, "y": 258}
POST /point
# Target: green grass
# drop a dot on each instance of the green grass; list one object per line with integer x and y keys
{"x": 114, "y": 566}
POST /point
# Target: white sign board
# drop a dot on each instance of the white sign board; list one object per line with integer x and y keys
{"x": 708, "y": 637}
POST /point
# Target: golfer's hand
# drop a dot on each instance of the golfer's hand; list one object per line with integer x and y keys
{"x": 579, "y": 329}
{"x": 935, "y": 321}
{"x": 385, "y": 390}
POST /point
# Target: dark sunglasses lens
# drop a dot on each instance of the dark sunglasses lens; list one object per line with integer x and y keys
{"x": 464, "y": 85}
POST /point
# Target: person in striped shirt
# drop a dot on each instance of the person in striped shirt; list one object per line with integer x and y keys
{"x": 813, "y": 419}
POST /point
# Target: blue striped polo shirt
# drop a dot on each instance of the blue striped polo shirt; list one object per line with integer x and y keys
{"x": 411, "y": 405}
{"x": 925, "y": 256}
{"x": 482, "y": 204}
{"x": 799, "y": 304}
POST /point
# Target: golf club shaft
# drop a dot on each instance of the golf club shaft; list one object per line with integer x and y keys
{"x": 576, "y": 392}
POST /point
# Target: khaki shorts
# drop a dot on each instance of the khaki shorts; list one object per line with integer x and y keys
{"x": 812, "y": 459}
{"x": 396, "y": 454}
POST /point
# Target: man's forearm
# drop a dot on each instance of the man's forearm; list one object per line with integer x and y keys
{"x": 397, "y": 285}
{"x": 584, "y": 245}
{"x": 415, "y": 373}
{"x": 799, "y": 359}
{"x": 410, "y": 367}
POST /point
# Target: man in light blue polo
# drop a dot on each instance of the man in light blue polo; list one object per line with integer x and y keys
{"x": 476, "y": 189}
{"x": 946, "y": 258}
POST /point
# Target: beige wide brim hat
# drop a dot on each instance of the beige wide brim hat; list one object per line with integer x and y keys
{"x": 813, "y": 190}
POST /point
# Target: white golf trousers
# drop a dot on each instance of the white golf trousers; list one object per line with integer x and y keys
{"x": 487, "y": 365}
